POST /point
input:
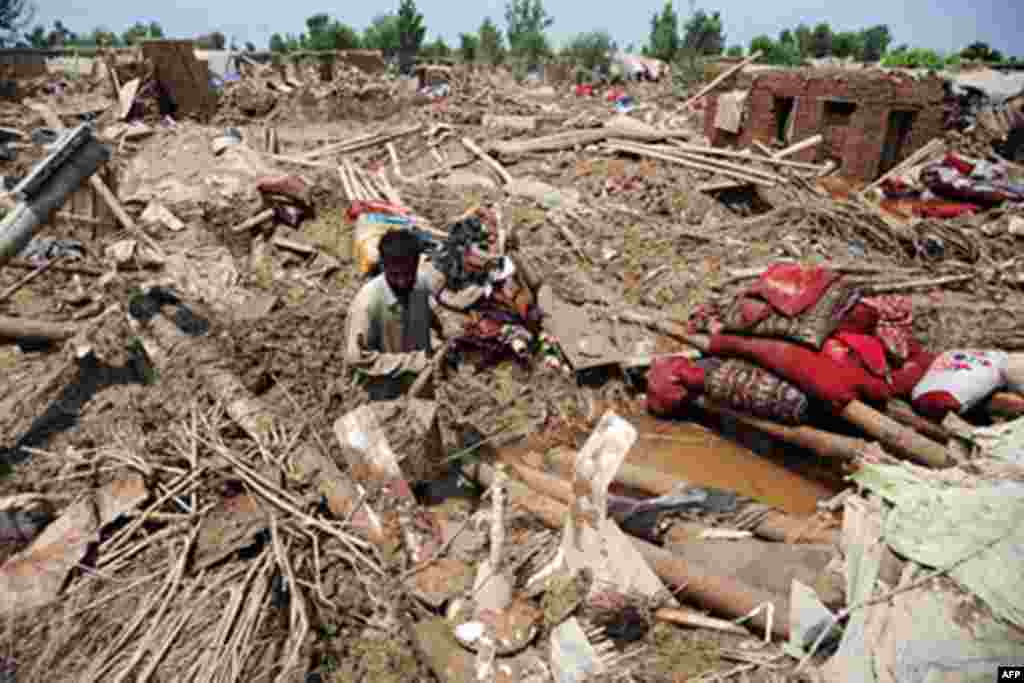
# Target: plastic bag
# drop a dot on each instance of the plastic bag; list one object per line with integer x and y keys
{"x": 959, "y": 380}
{"x": 366, "y": 239}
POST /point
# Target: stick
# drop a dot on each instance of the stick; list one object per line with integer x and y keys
{"x": 395, "y": 164}
{"x": 487, "y": 159}
{"x": 28, "y": 278}
{"x": 689, "y": 164}
{"x": 903, "y": 440}
{"x": 22, "y": 328}
{"x": 258, "y": 219}
{"x": 919, "y": 284}
{"x": 930, "y": 148}
{"x": 715, "y": 83}
{"x": 903, "y": 413}
{"x": 697, "y": 620}
{"x": 122, "y": 216}
{"x": 812, "y": 141}
{"x": 357, "y": 144}
{"x": 698, "y": 157}
{"x": 722, "y": 594}
{"x": 771, "y": 160}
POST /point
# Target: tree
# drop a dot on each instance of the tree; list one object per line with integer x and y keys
{"x": 141, "y": 31}
{"x": 664, "y": 41}
{"x": 526, "y": 23}
{"x": 382, "y": 34}
{"x": 803, "y": 36}
{"x": 325, "y": 33}
{"x": 846, "y": 44}
{"x": 876, "y": 41}
{"x": 15, "y": 16}
{"x": 979, "y": 51}
{"x": 763, "y": 44}
{"x": 436, "y": 50}
{"x": 781, "y": 53}
{"x": 821, "y": 40}
{"x": 916, "y": 58}
{"x": 278, "y": 43}
{"x": 103, "y": 37}
{"x": 492, "y": 47}
{"x": 469, "y": 46}
{"x": 590, "y": 50}
{"x": 250, "y": 47}
{"x": 411, "y": 33}
{"x": 212, "y": 41}
{"x": 735, "y": 51}
{"x": 702, "y": 34}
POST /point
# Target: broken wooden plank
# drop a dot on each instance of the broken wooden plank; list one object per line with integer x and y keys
{"x": 487, "y": 159}
{"x": 707, "y": 168}
{"x": 772, "y": 161}
{"x": 28, "y": 278}
{"x": 258, "y": 219}
{"x": 23, "y": 328}
{"x": 122, "y": 216}
{"x": 721, "y": 79}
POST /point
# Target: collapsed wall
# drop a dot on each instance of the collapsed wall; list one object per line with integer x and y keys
{"x": 870, "y": 121}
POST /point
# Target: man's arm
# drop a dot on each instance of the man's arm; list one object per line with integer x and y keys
{"x": 369, "y": 361}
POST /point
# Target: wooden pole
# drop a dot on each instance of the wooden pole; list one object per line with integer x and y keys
{"x": 28, "y": 278}
{"x": 715, "y": 83}
{"x": 122, "y": 216}
{"x": 487, "y": 159}
{"x": 772, "y": 160}
{"x": 258, "y": 219}
{"x": 23, "y": 328}
{"x": 692, "y": 165}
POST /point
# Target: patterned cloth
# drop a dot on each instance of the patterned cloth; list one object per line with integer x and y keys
{"x": 748, "y": 388}
{"x": 753, "y": 316}
{"x": 895, "y": 326}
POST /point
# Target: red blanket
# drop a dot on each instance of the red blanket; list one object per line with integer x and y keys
{"x": 672, "y": 383}
{"x": 812, "y": 371}
{"x": 791, "y": 289}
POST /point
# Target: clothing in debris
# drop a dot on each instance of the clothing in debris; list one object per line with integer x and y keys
{"x": 959, "y": 380}
{"x": 747, "y": 388}
{"x": 388, "y": 340}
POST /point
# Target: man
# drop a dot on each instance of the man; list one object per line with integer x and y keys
{"x": 390, "y": 319}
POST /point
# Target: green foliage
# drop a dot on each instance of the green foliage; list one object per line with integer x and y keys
{"x": 526, "y": 24}
{"x": 325, "y": 33}
{"x": 876, "y": 41}
{"x": 250, "y": 47}
{"x": 664, "y": 41}
{"x": 382, "y": 34}
{"x": 492, "y": 45}
{"x": 436, "y": 50}
{"x": 784, "y": 52}
{"x": 915, "y": 58}
{"x": 411, "y": 30}
{"x": 846, "y": 44}
{"x": 702, "y": 33}
{"x": 141, "y": 31}
{"x": 38, "y": 38}
{"x": 982, "y": 52}
{"x": 735, "y": 51}
{"x": 953, "y": 61}
{"x": 469, "y": 47}
{"x": 804, "y": 37}
{"x": 590, "y": 50}
{"x": 821, "y": 41}
{"x": 687, "y": 71}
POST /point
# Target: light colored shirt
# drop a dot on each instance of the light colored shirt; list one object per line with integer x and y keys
{"x": 387, "y": 339}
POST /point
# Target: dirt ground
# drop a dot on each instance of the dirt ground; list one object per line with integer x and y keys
{"x": 650, "y": 241}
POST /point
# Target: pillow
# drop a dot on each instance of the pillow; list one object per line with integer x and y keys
{"x": 959, "y": 380}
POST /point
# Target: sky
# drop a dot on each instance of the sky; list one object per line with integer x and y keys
{"x": 943, "y": 25}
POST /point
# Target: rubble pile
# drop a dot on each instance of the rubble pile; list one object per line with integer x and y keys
{"x": 693, "y": 411}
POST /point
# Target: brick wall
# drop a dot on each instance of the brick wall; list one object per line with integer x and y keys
{"x": 859, "y": 144}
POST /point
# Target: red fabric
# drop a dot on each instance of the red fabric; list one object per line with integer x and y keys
{"x": 862, "y": 319}
{"x": 940, "y": 209}
{"x": 584, "y": 90}
{"x": 614, "y": 94}
{"x": 895, "y": 323}
{"x": 791, "y": 289}
{"x": 936, "y": 405}
{"x": 813, "y": 372}
{"x": 290, "y": 186}
{"x": 360, "y": 207}
{"x": 672, "y": 383}
{"x": 953, "y": 161}
{"x": 912, "y": 371}
{"x": 857, "y": 350}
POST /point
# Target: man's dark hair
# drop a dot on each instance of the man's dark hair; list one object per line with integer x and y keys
{"x": 397, "y": 244}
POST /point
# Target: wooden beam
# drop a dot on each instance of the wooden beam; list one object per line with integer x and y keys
{"x": 715, "y": 83}
{"x": 710, "y": 167}
{"x": 487, "y": 159}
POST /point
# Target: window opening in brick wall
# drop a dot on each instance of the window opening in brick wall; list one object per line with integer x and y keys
{"x": 897, "y": 133}
{"x": 783, "y": 110}
{"x": 838, "y": 112}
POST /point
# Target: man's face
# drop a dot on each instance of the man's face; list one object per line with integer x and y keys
{"x": 401, "y": 274}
